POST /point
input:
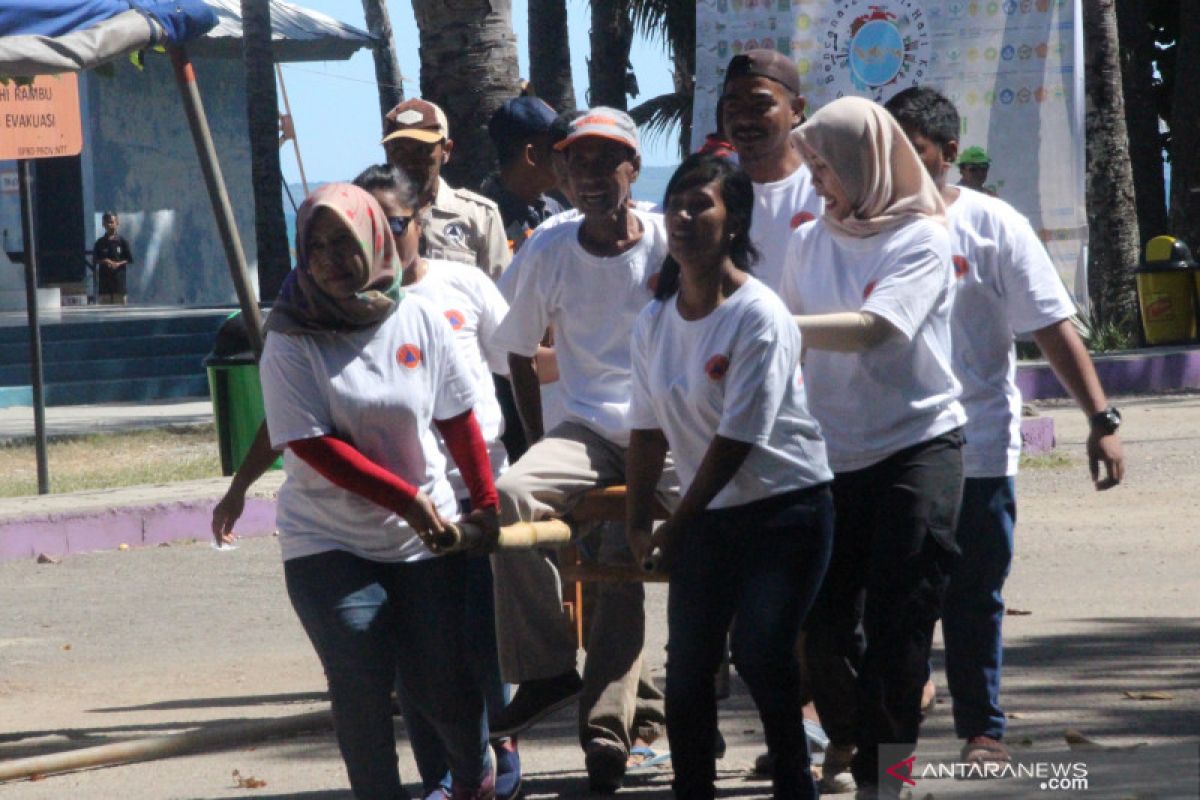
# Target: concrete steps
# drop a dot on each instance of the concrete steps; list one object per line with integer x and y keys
{"x": 117, "y": 355}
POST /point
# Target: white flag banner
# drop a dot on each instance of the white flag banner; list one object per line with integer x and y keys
{"x": 1014, "y": 69}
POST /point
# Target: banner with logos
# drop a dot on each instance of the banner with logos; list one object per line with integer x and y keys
{"x": 1014, "y": 69}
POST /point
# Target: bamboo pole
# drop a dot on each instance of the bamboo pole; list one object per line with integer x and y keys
{"x": 217, "y": 737}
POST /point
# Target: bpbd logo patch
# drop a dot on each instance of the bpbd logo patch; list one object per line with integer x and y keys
{"x": 456, "y": 319}
{"x": 716, "y": 367}
{"x": 408, "y": 355}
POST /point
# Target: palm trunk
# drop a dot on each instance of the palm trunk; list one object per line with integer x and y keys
{"x": 1141, "y": 117}
{"x": 611, "y": 38}
{"x": 1185, "y": 129}
{"x": 550, "y": 54}
{"x": 1111, "y": 209}
{"x": 387, "y": 65}
{"x": 262, "y": 114}
{"x": 469, "y": 68}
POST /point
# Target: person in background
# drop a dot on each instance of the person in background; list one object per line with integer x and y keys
{"x": 761, "y": 105}
{"x": 1006, "y": 286}
{"x": 112, "y": 257}
{"x": 872, "y": 284}
{"x": 520, "y": 131}
{"x": 356, "y": 375}
{"x": 717, "y": 143}
{"x": 973, "y": 166}
{"x": 716, "y": 379}
{"x": 463, "y": 226}
{"x": 588, "y": 279}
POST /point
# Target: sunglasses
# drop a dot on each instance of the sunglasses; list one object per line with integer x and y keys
{"x": 399, "y": 225}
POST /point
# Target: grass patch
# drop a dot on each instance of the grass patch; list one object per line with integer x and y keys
{"x": 112, "y": 460}
{"x": 1055, "y": 459}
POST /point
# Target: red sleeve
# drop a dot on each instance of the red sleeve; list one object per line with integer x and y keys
{"x": 465, "y": 442}
{"x": 343, "y": 465}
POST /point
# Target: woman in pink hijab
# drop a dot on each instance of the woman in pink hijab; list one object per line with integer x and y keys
{"x": 355, "y": 375}
{"x": 872, "y": 283}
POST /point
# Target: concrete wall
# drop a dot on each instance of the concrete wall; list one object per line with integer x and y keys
{"x": 141, "y": 163}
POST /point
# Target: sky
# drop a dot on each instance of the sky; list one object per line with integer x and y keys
{"x": 335, "y": 106}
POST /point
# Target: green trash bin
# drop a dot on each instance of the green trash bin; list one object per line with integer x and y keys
{"x": 236, "y": 393}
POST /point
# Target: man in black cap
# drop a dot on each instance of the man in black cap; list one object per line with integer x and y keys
{"x": 520, "y": 130}
{"x": 761, "y": 104}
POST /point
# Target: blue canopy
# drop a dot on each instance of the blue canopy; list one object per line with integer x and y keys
{"x": 181, "y": 20}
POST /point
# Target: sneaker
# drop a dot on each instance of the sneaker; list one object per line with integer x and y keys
{"x": 534, "y": 701}
{"x": 438, "y": 794}
{"x": 835, "y": 771}
{"x": 485, "y": 790}
{"x": 606, "y": 761}
{"x": 508, "y": 770}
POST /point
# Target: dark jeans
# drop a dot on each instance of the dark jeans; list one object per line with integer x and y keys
{"x": 870, "y": 633}
{"x": 369, "y": 620}
{"x": 974, "y": 611}
{"x": 761, "y": 563}
{"x": 481, "y": 654}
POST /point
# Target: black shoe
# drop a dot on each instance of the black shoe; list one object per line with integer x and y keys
{"x": 535, "y": 700}
{"x": 606, "y": 761}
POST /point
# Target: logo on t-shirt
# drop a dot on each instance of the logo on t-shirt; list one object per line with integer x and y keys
{"x": 801, "y": 218}
{"x": 961, "y": 266}
{"x": 409, "y": 355}
{"x": 870, "y": 287}
{"x": 456, "y": 319}
{"x": 716, "y": 367}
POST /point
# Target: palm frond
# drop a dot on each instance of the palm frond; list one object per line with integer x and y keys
{"x": 658, "y": 116}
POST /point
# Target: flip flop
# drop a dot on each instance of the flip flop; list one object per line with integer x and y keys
{"x": 649, "y": 759}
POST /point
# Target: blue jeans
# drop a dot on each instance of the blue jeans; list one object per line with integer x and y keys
{"x": 369, "y": 620}
{"x": 481, "y": 654}
{"x": 761, "y": 563}
{"x": 974, "y": 609}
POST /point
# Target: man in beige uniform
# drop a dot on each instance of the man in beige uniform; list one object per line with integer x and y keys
{"x": 464, "y": 226}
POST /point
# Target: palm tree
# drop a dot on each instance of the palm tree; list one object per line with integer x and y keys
{"x": 1111, "y": 209}
{"x": 550, "y": 54}
{"x": 1141, "y": 117}
{"x": 262, "y": 116}
{"x": 673, "y": 22}
{"x": 611, "y": 37}
{"x": 469, "y": 68}
{"x": 387, "y": 65}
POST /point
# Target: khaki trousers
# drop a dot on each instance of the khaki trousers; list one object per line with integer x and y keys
{"x": 535, "y": 637}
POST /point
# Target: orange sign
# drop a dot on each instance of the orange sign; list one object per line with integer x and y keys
{"x": 41, "y": 119}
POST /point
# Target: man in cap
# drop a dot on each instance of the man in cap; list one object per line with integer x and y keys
{"x": 463, "y": 226}
{"x": 588, "y": 278}
{"x": 520, "y": 131}
{"x": 973, "y": 166}
{"x": 761, "y": 104}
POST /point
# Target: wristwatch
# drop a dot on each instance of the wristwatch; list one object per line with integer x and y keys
{"x": 1106, "y": 421}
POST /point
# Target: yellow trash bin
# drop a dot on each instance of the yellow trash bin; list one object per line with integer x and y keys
{"x": 1167, "y": 283}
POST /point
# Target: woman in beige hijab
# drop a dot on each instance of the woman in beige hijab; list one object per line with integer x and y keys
{"x": 872, "y": 283}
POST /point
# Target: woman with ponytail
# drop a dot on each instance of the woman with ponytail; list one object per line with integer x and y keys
{"x": 716, "y": 379}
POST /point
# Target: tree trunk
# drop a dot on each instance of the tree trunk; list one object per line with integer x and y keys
{"x": 550, "y": 54}
{"x": 262, "y": 114}
{"x": 1141, "y": 117}
{"x": 1111, "y": 209}
{"x": 469, "y": 68}
{"x": 1185, "y": 129}
{"x": 611, "y": 38}
{"x": 387, "y": 65}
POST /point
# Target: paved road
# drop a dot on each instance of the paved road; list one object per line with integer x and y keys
{"x": 114, "y": 645}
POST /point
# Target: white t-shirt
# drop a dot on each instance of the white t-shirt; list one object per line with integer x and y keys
{"x": 901, "y": 392}
{"x": 592, "y": 303}
{"x": 379, "y": 389}
{"x": 472, "y": 305}
{"x": 734, "y": 373}
{"x": 1007, "y": 285}
{"x": 779, "y": 208}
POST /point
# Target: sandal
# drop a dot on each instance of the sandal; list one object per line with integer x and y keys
{"x": 641, "y": 758}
